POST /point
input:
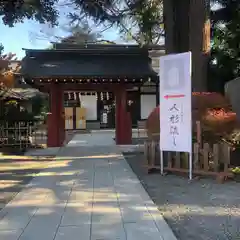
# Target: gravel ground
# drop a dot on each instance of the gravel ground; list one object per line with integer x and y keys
{"x": 200, "y": 210}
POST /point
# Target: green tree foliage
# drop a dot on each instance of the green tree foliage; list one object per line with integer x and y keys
{"x": 81, "y": 33}
{"x": 37, "y": 105}
{"x": 225, "y": 64}
{"x": 137, "y": 20}
{"x": 1, "y": 49}
{"x": 15, "y": 11}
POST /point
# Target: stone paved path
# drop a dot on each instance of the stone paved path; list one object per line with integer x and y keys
{"x": 91, "y": 193}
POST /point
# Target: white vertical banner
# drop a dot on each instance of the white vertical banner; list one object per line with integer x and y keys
{"x": 175, "y": 104}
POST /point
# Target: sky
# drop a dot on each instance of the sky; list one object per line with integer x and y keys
{"x": 23, "y": 35}
{"x": 18, "y": 37}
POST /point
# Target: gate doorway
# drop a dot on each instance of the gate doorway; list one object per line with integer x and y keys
{"x": 133, "y": 105}
{"x": 106, "y": 109}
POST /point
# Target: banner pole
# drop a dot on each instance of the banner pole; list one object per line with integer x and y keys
{"x": 161, "y": 161}
{"x": 190, "y": 166}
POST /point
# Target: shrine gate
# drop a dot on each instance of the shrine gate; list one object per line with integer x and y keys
{"x": 90, "y": 67}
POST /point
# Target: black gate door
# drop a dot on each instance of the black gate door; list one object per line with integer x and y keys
{"x": 133, "y": 102}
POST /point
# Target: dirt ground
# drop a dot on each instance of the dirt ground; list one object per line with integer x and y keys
{"x": 15, "y": 172}
{"x": 199, "y": 210}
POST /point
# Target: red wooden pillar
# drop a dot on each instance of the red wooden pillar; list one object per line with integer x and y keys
{"x": 123, "y": 132}
{"x": 55, "y": 118}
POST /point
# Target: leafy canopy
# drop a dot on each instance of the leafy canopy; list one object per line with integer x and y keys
{"x": 14, "y": 11}
{"x": 138, "y": 20}
{"x": 225, "y": 55}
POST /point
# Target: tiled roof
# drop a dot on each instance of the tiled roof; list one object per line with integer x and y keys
{"x": 94, "y": 60}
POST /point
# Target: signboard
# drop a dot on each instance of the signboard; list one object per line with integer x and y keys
{"x": 175, "y": 103}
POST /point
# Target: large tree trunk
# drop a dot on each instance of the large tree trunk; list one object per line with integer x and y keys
{"x": 181, "y": 25}
{"x": 169, "y": 26}
{"x": 187, "y": 28}
{"x": 176, "y": 24}
{"x": 199, "y": 44}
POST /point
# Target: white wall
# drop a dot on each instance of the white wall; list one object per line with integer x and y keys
{"x": 148, "y": 103}
{"x": 90, "y": 103}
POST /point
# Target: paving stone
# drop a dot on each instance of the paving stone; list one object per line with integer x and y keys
{"x": 108, "y": 232}
{"x": 76, "y": 214}
{"x": 107, "y": 213}
{"x": 74, "y": 233}
{"x": 10, "y": 234}
{"x": 84, "y": 196}
{"x": 137, "y": 231}
{"x": 91, "y": 187}
{"x": 44, "y": 224}
{"x": 43, "y": 152}
{"x": 105, "y": 196}
{"x": 17, "y": 218}
{"x": 133, "y": 213}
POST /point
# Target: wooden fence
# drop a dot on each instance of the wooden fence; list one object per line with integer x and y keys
{"x": 211, "y": 160}
{"x": 21, "y": 134}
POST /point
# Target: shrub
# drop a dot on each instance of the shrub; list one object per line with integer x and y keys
{"x": 220, "y": 120}
{"x": 153, "y": 125}
{"x": 211, "y": 109}
{"x": 236, "y": 170}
